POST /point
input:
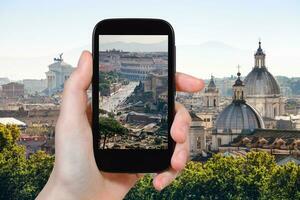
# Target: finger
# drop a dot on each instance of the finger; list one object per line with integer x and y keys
{"x": 160, "y": 181}
{"x": 180, "y": 156}
{"x": 74, "y": 96}
{"x": 187, "y": 83}
{"x": 178, "y": 162}
{"x": 181, "y": 124}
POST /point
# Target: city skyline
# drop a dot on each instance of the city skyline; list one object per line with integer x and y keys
{"x": 207, "y": 42}
{"x": 246, "y": 64}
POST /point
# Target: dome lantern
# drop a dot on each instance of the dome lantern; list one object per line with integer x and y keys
{"x": 259, "y": 57}
{"x": 238, "y": 88}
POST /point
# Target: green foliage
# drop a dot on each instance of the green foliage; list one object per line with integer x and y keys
{"x": 21, "y": 177}
{"x": 110, "y": 126}
{"x": 104, "y": 89}
{"x": 111, "y": 114}
{"x": 108, "y": 77}
{"x": 9, "y": 134}
{"x": 255, "y": 176}
{"x": 285, "y": 182}
{"x": 105, "y": 80}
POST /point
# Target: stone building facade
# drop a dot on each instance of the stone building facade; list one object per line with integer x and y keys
{"x": 13, "y": 90}
{"x": 58, "y": 73}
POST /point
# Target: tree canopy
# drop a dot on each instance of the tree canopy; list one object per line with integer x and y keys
{"x": 254, "y": 176}
{"x": 21, "y": 177}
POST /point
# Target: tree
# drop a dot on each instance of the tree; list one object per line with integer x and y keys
{"x": 255, "y": 176}
{"x": 104, "y": 89}
{"x": 9, "y": 134}
{"x": 13, "y": 171}
{"x": 109, "y": 126}
{"x": 21, "y": 178}
{"x": 284, "y": 182}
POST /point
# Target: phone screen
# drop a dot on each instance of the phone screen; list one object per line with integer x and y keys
{"x": 133, "y": 92}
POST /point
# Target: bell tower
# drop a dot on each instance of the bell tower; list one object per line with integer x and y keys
{"x": 211, "y": 94}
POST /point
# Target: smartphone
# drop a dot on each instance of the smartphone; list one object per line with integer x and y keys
{"x": 133, "y": 91}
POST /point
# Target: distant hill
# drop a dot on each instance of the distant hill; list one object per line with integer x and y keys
{"x": 292, "y": 83}
{"x": 134, "y": 46}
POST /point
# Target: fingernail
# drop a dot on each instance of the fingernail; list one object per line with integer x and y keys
{"x": 163, "y": 183}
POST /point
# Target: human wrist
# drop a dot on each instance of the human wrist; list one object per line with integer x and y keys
{"x": 54, "y": 189}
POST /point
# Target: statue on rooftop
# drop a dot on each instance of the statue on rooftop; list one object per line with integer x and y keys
{"x": 59, "y": 59}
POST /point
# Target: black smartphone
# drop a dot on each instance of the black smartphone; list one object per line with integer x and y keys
{"x": 133, "y": 91}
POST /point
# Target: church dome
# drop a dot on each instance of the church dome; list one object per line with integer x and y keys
{"x": 239, "y": 116}
{"x": 261, "y": 82}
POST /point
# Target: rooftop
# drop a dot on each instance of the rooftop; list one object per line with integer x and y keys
{"x": 12, "y": 121}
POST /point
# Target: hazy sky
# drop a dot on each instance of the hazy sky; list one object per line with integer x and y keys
{"x": 143, "y": 39}
{"x": 107, "y": 42}
{"x": 33, "y": 32}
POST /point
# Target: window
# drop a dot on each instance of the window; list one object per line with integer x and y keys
{"x": 198, "y": 143}
{"x": 206, "y": 119}
{"x": 219, "y": 142}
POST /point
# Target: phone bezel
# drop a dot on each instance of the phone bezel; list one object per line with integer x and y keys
{"x": 133, "y": 160}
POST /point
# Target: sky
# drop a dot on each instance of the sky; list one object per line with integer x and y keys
{"x": 139, "y": 43}
{"x": 143, "y": 39}
{"x": 212, "y": 37}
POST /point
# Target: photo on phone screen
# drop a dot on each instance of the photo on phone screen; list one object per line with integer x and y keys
{"x": 133, "y": 91}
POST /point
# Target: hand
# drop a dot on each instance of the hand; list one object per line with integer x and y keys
{"x": 75, "y": 174}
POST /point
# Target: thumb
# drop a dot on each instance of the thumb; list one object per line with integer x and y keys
{"x": 74, "y": 101}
